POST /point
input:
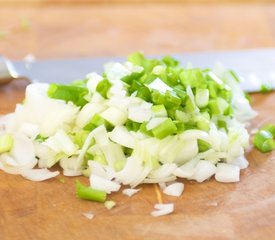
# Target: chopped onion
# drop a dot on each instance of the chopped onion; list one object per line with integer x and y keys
{"x": 88, "y": 215}
{"x": 103, "y": 184}
{"x": 227, "y": 173}
{"x": 38, "y": 175}
{"x": 203, "y": 171}
{"x": 130, "y": 191}
{"x": 174, "y": 189}
{"x": 163, "y": 209}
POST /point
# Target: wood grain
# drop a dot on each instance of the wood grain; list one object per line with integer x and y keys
{"x": 50, "y": 210}
{"x": 96, "y": 30}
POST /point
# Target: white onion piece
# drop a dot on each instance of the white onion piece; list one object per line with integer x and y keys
{"x": 140, "y": 112}
{"x": 155, "y": 122}
{"x": 159, "y": 85}
{"x": 38, "y": 175}
{"x": 131, "y": 171}
{"x": 114, "y": 116}
{"x": 174, "y": 189}
{"x": 189, "y": 151}
{"x": 164, "y": 171}
{"x": 87, "y": 112}
{"x": 163, "y": 209}
{"x": 162, "y": 185}
{"x": 21, "y": 156}
{"x": 204, "y": 170}
{"x": 72, "y": 172}
{"x": 227, "y": 173}
{"x": 241, "y": 162}
{"x": 88, "y": 215}
{"x": 187, "y": 170}
{"x": 103, "y": 184}
{"x": 93, "y": 80}
{"x": 121, "y": 136}
{"x": 29, "y": 129}
{"x": 130, "y": 191}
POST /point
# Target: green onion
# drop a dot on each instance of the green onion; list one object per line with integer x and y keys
{"x": 6, "y": 143}
{"x": 263, "y": 141}
{"x": 88, "y": 193}
{"x": 96, "y": 121}
{"x": 169, "y": 61}
{"x": 103, "y": 87}
{"x": 68, "y": 93}
{"x": 203, "y": 145}
{"x": 166, "y": 128}
{"x": 265, "y": 88}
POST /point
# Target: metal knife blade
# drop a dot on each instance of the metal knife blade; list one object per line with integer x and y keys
{"x": 256, "y": 67}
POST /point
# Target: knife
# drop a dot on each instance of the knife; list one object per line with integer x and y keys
{"x": 255, "y": 67}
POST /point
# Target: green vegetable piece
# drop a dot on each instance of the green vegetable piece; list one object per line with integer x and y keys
{"x": 222, "y": 124}
{"x": 263, "y": 141}
{"x": 80, "y": 137}
{"x": 68, "y": 93}
{"x": 159, "y": 111}
{"x": 80, "y": 83}
{"x": 134, "y": 87}
{"x": 88, "y": 193}
{"x": 6, "y": 143}
{"x": 170, "y": 62}
{"x": 203, "y": 145}
{"x": 134, "y": 76}
{"x": 143, "y": 129}
{"x": 180, "y": 126}
{"x": 96, "y": 121}
{"x": 39, "y": 138}
{"x": 103, "y": 87}
{"x": 265, "y": 88}
{"x": 214, "y": 107}
{"x": 144, "y": 93}
{"x": 270, "y": 128}
{"x": 166, "y": 128}
{"x": 132, "y": 126}
{"x": 138, "y": 58}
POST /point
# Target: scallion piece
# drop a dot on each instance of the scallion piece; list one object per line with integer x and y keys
{"x": 166, "y": 128}
{"x": 89, "y": 193}
{"x": 68, "y": 93}
{"x": 263, "y": 141}
{"x": 103, "y": 87}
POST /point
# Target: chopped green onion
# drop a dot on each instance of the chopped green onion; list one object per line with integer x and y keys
{"x": 203, "y": 145}
{"x": 103, "y": 87}
{"x": 88, "y": 193}
{"x": 169, "y": 61}
{"x": 166, "y": 128}
{"x": 263, "y": 141}
{"x": 68, "y": 93}
{"x": 265, "y": 88}
{"x": 6, "y": 143}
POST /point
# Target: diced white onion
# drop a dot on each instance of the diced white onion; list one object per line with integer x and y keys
{"x": 174, "y": 189}
{"x": 227, "y": 173}
{"x": 130, "y": 191}
{"x": 203, "y": 171}
{"x": 163, "y": 209}
{"x": 38, "y": 175}
{"x": 121, "y": 136}
{"x": 103, "y": 184}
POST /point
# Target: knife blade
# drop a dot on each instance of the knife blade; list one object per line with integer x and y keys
{"x": 255, "y": 67}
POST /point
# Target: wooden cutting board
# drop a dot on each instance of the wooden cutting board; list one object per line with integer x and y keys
{"x": 210, "y": 210}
